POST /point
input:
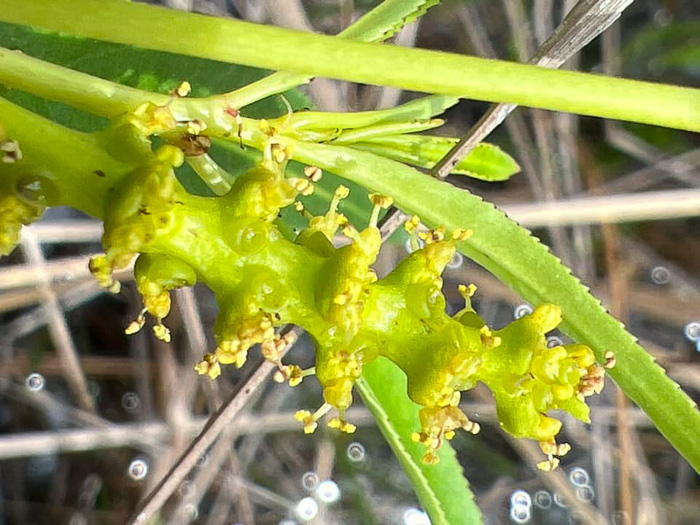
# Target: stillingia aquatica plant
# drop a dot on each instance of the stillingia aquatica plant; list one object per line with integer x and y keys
{"x": 265, "y": 276}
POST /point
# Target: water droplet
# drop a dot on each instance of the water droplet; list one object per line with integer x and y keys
{"x": 328, "y": 491}
{"x": 553, "y": 341}
{"x": 520, "y": 498}
{"x": 306, "y": 509}
{"x": 35, "y": 382}
{"x": 37, "y": 191}
{"x": 585, "y": 494}
{"x": 692, "y": 331}
{"x": 660, "y": 275}
{"x": 309, "y": 480}
{"x": 413, "y": 516}
{"x": 409, "y": 248}
{"x": 456, "y": 261}
{"x": 520, "y": 514}
{"x": 131, "y": 402}
{"x": 248, "y": 236}
{"x": 138, "y": 469}
{"x": 543, "y": 499}
{"x": 559, "y": 501}
{"x": 579, "y": 477}
{"x": 356, "y": 452}
{"x": 522, "y": 310}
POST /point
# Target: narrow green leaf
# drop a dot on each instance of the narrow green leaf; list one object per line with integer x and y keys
{"x": 387, "y": 19}
{"x": 485, "y": 162}
{"x": 153, "y": 71}
{"x": 442, "y": 489}
{"x": 518, "y": 259}
{"x": 422, "y": 108}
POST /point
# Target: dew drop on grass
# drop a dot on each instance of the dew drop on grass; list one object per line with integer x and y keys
{"x": 131, "y": 402}
{"x": 692, "y": 331}
{"x": 356, "y": 452}
{"x": 522, "y": 310}
{"x": 138, "y": 469}
{"x": 306, "y": 509}
{"x": 660, "y": 275}
{"x": 35, "y": 382}
{"x": 456, "y": 261}
{"x": 579, "y": 477}
{"x": 520, "y": 514}
{"x": 328, "y": 492}
{"x": 413, "y": 516}
{"x": 309, "y": 480}
{"x": 520, "y": 498}
{"x": 585, "y": 494}
{"x": 553, "y": 341}
{"x": 543, "y": 499}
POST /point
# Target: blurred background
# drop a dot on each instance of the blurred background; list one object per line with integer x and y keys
{"x": 90, "y": 419}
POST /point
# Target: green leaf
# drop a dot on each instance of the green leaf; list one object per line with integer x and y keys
{"x": 144, "y": 69}
{"x": 485, "y": 162}
{"x": 442, "y": 489}
{"x": 518, "y": 259}
{"x": 387, "y": 19}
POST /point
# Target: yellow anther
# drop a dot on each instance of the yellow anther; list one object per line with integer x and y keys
{"x": 551, "y": 448}
{"x": 10, "y": 151}
{"x": 305, "y": 417}
{"x": 549, "y": 465}
{"x": 459, "y": 234}
{"x": 162, "y": 332}
{"x": 412, "y": 224}
{"x": 298, "y": 206}
{"x": 341, "y": 425}
{"x": 279, "y": 153}
{"x": 195, "y": 127}
{"x": 314, "y": 173}
{"x": 382, "y": 201}
{"x": 303, "y": 186}
{"x": 342, "y": 192}
{"x": 183, "y": 89}
{"x": 135, "y": 326}
{"x": 209, "y": 366}
{"x": 472, "y": 427}
{"x": 610, "y": 360}
{"x": 467, "y": 291}
{"x": 433, "y": 236}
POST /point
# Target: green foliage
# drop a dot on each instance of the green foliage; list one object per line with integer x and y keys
{"x": 121, "y": 167}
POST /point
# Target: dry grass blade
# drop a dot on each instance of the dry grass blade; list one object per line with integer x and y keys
{"x": 585, "y": 21}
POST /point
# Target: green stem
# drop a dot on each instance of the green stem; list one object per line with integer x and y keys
{"x": 309, "y": 54}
